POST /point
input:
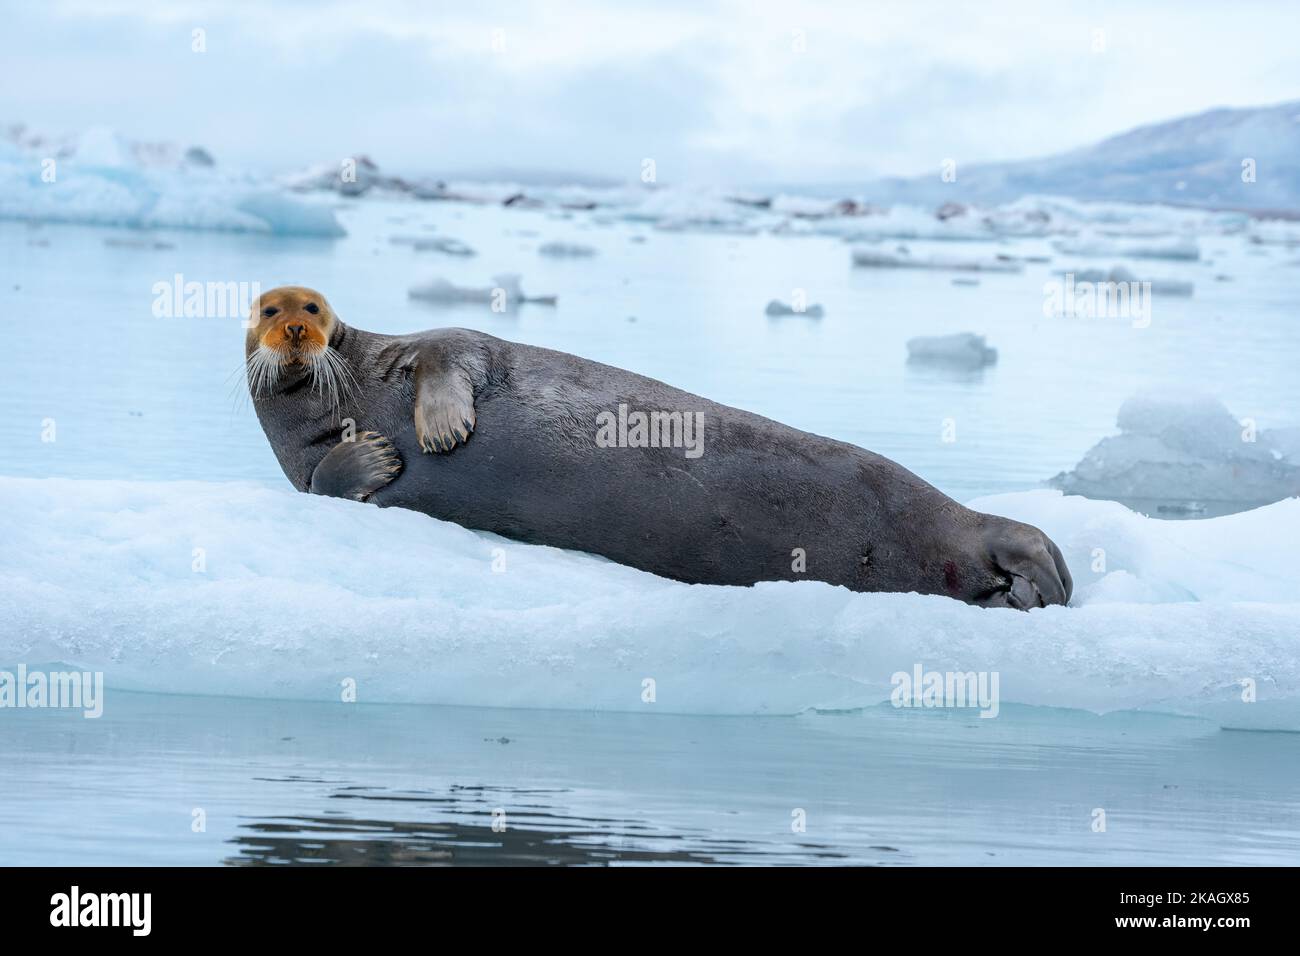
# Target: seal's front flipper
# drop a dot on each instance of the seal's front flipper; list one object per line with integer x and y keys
{"x": 444, "y": 408}
{"x": 357, "y": 469}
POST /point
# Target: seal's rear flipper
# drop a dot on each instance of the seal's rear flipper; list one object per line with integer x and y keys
{"x": 357, "y": 469}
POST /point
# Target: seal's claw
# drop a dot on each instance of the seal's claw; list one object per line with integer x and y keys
{"x": 436, "y": 416}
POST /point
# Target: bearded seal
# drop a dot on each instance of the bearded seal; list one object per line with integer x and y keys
{"x": 549, "y": 448}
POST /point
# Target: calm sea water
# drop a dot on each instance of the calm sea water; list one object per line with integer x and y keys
{"x": 136, "y": 396}
{"x": 278, "y": 782}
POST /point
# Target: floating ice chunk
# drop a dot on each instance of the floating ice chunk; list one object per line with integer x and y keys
{"x": 506, "y": 293}
{"x": 297, "y": 592}
{"x": 777, "y": 307}
{"x": 447, "y": 246}
{"x": 443, "y": 244}
{"x": 286, "y": 216}
{"x": 119, "y": 242}
{"x": 1184, "y": 454}
{"x": 964, "y": 350}
{"x": 902, "y": 259}
{"x": 565, "y": 250}
{"x": 1118, "y": 274}
{"x": 1172, "y": 247}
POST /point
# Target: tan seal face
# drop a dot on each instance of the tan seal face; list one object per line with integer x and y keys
{"x": 289, "y": 332}
{"x": 292, "y": 322}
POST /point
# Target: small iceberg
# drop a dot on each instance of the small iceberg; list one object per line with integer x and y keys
{"x": 117, "y": 242}
{"x": 106, "y": 180}
{"x": 964, "y": 350}
{"x": 1186, "y": 455}
{"x": 565, "y": 250}
{"x": 902, "y": 258}
{"x": 447, "y": 246}
{"x": 1119, "y": 274}
{"x": 505, "y": 294}
{"x": 1173, "y": 247}
{"x": 776, "y": 307}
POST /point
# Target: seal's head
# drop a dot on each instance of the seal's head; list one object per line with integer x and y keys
{"x": 292, "y": 323}
{"x": 289, "y": 333}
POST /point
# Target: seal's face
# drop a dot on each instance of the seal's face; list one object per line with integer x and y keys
{"x": 289, "y": 334}
{"x": 294, "y": 324}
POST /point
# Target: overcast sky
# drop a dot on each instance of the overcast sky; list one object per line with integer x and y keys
{"x": 726, "y": 92}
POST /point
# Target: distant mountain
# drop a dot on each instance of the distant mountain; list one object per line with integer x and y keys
{"x": 1196, "y": 160}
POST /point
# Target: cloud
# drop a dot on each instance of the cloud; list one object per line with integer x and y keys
{"x": 732, "y": 91}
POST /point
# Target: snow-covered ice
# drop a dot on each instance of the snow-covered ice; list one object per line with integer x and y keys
{"x": 292, "y": 594}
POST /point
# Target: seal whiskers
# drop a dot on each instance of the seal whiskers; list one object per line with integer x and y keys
{"x": 263, "y": 371}
{"x": 331, "y": 377}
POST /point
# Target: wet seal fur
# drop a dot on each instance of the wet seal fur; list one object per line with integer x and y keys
{"x": 502, "y": 437}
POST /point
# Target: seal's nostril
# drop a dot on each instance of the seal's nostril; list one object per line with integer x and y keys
{"x": 295, "y": 331}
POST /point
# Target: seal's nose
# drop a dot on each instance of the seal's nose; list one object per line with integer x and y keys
{"x": 295, "y": 332}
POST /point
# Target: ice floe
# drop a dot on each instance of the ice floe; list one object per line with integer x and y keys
{"x": 1119, "y": 274}
{"x": 963, "y": 350}
{"x": 777, "y": 307}
{"x": 244, "y": 589}
{"x": 902, "y": 258}
{"x": 504, "y": 294}
{"x": 1156, "y": 247}
{"x": 566, "y": 250}
{"x": 443, "y": 244}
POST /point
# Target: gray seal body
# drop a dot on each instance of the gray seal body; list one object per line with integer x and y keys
{"x": 555, "y": 458}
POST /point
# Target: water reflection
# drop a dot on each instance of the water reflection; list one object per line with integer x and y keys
{"x": 531, "y": 832}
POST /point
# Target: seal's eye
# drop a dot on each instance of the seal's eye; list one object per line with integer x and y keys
{"x": 269, "y": 311}
{"x": 312, "y": 308}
